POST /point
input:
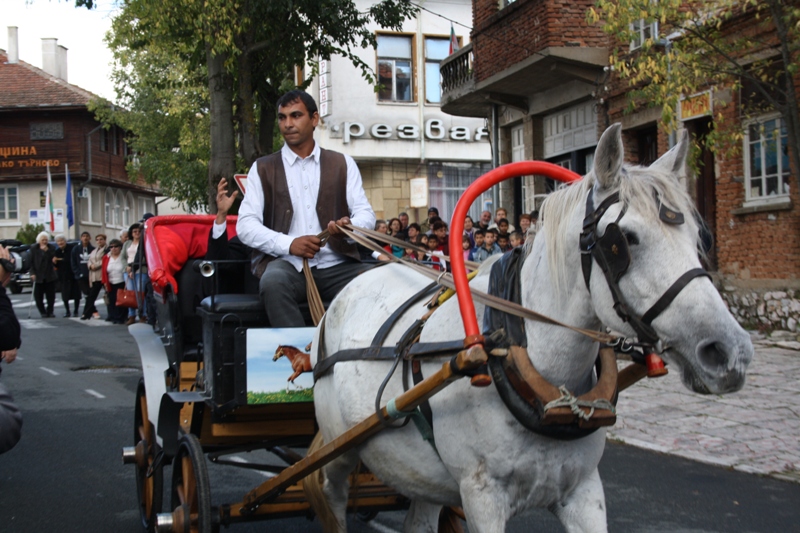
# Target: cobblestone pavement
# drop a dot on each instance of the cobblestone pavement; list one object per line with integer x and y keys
{"x": 755, "y": 430}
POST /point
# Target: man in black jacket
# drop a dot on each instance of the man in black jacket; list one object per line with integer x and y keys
{"x": 10, "y": 341}
{"x": 66, "y": 276}
{"x": 80, "y": 261}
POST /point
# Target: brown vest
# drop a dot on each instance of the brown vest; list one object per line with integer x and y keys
{"x": 278, "y": 210}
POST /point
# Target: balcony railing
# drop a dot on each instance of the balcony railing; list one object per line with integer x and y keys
{"x": 456, "y": 69}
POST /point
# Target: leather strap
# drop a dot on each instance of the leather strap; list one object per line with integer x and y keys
{"x": 671, "y": 293}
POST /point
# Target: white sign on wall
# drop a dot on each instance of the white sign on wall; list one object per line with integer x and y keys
{"x": 419, "y": 192}
{"x": 39, "y": 216}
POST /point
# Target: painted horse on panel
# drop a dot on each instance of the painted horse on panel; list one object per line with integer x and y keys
{"x": 484, "y": 459}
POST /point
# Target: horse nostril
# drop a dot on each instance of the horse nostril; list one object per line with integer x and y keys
{"x": 713, "y": 355}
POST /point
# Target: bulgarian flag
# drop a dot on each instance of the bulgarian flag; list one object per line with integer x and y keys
{"x": 453, "y": 40}
{"x": 48, "y": 203}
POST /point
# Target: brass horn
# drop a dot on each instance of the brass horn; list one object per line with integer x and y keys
{"x": 206, "y": 268}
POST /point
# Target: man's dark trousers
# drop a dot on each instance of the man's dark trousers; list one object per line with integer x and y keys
{"x": 282, "y": 288}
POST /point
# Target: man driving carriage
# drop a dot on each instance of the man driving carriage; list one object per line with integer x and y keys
{"x": 292, "y": 195}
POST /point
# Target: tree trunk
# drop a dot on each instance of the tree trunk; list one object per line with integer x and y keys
{"x": 248, "y": 145}
{"x": 266, "y": 127}
{"x": 222, "y": 163}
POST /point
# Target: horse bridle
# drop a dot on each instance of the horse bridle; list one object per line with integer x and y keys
{"x": 612, "y": 253}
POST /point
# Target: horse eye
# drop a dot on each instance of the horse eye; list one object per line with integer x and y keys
{"x": 631, "y": 237}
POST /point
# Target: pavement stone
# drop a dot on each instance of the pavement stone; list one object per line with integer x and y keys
{"x": 755, "y": 430}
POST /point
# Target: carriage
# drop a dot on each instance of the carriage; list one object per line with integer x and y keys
{"x": 196, "y": 398}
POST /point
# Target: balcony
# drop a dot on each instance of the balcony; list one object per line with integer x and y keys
{"x": 551, "y": 77}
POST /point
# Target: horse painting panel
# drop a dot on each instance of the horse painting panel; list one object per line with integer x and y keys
{"x": 484, "y": 460}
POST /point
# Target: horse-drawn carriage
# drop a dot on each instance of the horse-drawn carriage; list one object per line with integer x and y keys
{"x": 620, "y": 249}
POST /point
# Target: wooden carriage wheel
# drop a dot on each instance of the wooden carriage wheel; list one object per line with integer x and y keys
{"x": 149, "y": 476}
{"x": 191, "y": 492}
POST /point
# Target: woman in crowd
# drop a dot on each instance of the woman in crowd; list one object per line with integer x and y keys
{"x": 469, "y": 227}
{"x": 113, "y": 280}
{"x": 43, "y": 274}
{"x": 95, "y": 276}
{"x": 134, "y": 280}
{"x": 396, "y": 231}
{"x": 70, "y": 290}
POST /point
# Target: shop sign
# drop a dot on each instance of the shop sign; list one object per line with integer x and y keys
{"x": 698, "y": 105}
{"x": 434, "y": 130}
{"x": 22, "y": 158}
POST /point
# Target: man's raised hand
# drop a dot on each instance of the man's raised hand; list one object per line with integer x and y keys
{"x": 224, "y": 202}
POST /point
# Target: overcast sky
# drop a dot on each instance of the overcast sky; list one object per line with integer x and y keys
{"x": 80, "y": 30}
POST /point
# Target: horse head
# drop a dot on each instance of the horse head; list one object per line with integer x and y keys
{"x": 640, "y": 249}
{"x": 279, "y": 353}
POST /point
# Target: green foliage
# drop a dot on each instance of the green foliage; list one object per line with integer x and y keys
{"x": 745, "y": 46}
{"x": 287, "y": 396}
{"x": 27, "y": 233}
{"x": 167, "y": 76}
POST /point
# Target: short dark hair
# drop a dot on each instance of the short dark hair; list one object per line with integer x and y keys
{"x": 86, "y": 233}
{"x": 493, "y": 230}
{"x": 478, "y": 231}
{"x": 502, "y": 236}
{"x": 439, "y": 224}
{"x": 502, "y": 220}
{"x": 413, "y": 225}
{"x": 535, "y": 214}
{"x": 433, "y": 220}
{"x": 295, "y": 95}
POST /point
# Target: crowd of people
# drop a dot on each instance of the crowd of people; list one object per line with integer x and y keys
{"x": 84, "y": 270}
{"x": 479, "y": 241}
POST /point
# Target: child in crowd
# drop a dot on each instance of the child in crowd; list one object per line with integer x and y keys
{"x": 489, "y": 247}
{"x": 466, "y": 247}
{"x": 478, "y": 235}
{"x": 502, "y": 242}
{"x": 515, "y": 239}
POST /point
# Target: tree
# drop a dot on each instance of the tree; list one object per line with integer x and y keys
{"x": 27, "y": 233}
{"x": 745, "y": 45}
{"x": 245, "y": 51}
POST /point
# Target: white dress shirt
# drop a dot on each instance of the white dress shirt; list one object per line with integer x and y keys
{"x": 303, "y": 178}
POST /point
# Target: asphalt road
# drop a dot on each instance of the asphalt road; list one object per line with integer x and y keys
{"x": 66, "y": 474}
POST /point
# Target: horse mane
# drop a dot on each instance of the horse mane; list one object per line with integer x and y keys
{"x": 639, "y": 188}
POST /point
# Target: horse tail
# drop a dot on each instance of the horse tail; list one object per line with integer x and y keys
{"x": 312, "y": 488}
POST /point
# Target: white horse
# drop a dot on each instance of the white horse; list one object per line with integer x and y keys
{"x": 485, "y": 460}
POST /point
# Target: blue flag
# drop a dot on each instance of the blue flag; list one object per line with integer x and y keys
{"x": 70, "y": 218}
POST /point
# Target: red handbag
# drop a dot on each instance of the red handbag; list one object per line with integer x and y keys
{"x": 127, "y": 298}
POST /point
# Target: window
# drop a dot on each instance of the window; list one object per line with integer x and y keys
{"x": 766, "y": 159}
{"x": 146, "y": 205}
{"x": 109, "y": 208}
{"x": 395, "y": 68}
{"x": 127, "y": 211}
{"x": 642, "y": 31}
{"x": 436, "y": 49}
{"x": 447, "y": 181}
{"x": 104, "y": 140}
{"x": 118, "y": 201}
{"x": 8, "y": 202}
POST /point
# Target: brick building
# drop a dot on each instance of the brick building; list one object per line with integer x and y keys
{"x": 538, "y": 71}
{"x": 45, "y": 119}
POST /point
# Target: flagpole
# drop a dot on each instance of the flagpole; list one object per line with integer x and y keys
{"x": 48, "y": 205}
{"x": 70, "y": 211}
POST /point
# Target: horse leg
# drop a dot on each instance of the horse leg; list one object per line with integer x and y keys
{"x": 482, "y": 505}
{"x": 584, "y": 510}
{"x": 336, "y": 490}
{"x": 422, "y": 517}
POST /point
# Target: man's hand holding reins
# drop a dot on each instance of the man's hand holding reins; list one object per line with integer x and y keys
{"x": 333, "y": 226}
{"x": 306, "y": 246}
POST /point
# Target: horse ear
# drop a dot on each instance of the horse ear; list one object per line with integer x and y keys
{"x": 608, "y": 157}
{"x": 674, "y": 161}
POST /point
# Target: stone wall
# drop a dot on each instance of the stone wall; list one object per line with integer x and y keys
{"x": 764, "y": 310}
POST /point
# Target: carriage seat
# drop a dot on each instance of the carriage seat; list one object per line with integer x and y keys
{"x": 233, "y": 303}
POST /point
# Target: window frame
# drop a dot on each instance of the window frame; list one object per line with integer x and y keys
{"x": 764, "y": 199}
{"x": 438, "y": 62}
{"x": 643, "y": 25}
{"x": 4, "y": 218}
{"x": 413, "y": 60}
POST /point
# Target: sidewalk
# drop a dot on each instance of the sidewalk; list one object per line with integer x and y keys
{"x": 756, "y": 430}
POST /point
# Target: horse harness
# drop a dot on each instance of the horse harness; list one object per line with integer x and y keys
{"x": 612, "y": 253}
{"x": 538, "y": 405}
